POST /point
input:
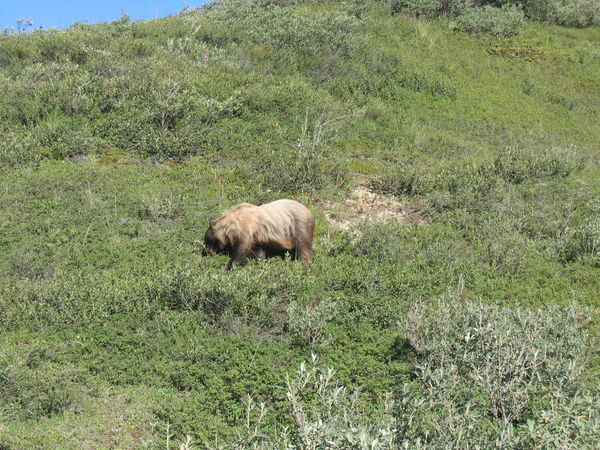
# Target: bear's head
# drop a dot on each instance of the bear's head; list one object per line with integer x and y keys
{"x": 211, "y": 243}
{"x": 214, "y": 242}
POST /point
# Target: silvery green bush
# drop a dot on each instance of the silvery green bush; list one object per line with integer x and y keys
{"x": 493, "y": 375}
{"x": 503, "y": 17}
{"x": 572, "y": 13}
{"x": 307, "y": 323}
{"x": 504, "y": 21}
{"x": 274, "y": 25}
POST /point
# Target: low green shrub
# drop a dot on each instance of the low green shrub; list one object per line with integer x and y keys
{"x": 405, "y": 181}
{"x": 33, "y": 388}
{"x": 496, "y": 18}
{"x": 582, "y": 242}
{"x": 219, "y": 296}
{"x": 391, "y": 78}
{"x": 310, "y": 162}
{"x": 418, "y": 80}
{"x": 160, "y": 207}
{"x": 577, "y": 13}
{"x": 16, "y": 150}
{"x": 281, "y": 28}
{"x": 502, "y": 246}
{"x": 307, "y": 323}
{"x": 222, "y": 299}
{"x": 382, "y": 241}
{"x": 325, "y": 415}
{"x": 513, "y": 165}
{"x": 499, "y": 22}
{"x": 503, "y": 17}
{"x": 418, "y": 8}
{"x": 63, "y": 138}
{"x": 571, "y": 13}
{"x": 419, "y": 180}
{"x": 302, "y": 167}
{"x": 517, "y": 165}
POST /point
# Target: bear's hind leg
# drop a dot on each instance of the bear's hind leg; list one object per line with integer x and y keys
{"x": 304, "y": 243}
{"x": 260, "y": 253}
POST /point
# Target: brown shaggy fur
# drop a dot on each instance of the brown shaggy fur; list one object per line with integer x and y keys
{"x": 260, "y": 231}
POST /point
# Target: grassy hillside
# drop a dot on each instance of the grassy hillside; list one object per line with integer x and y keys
{"x": 119, "y": 142}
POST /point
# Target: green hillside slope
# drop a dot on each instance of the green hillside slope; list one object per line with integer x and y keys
{"x": 119, "y": 142}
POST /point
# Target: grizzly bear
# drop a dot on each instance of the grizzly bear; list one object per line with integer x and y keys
{"x": 262, "y": 231}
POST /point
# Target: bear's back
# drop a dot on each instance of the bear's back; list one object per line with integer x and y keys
{"x": 283, "y": 217}
{"x": 287, "y": 205}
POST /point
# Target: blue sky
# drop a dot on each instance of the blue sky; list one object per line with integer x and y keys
{"x": 62, "y": 13}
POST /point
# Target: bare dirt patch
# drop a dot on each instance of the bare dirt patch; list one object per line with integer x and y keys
{"x": 363, "y": 204}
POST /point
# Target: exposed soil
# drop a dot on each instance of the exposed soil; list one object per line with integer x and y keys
{"x": 363, "y": 204}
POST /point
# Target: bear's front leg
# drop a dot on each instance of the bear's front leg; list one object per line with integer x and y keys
{"x": 240, "y": 253}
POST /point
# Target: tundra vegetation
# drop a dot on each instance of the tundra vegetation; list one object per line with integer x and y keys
{"x": 470, "y": 323}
